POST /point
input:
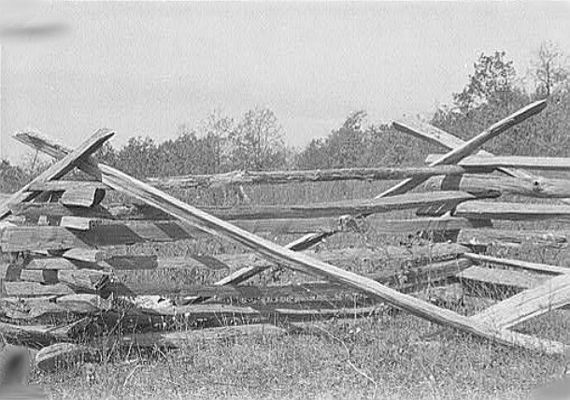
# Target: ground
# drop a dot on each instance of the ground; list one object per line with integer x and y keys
{"x": 388, "y": 356}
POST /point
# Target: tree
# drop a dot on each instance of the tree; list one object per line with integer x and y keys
{"x": 358, "y": 144}
{"x": 257, "y": 142}
{"x": 12, "y": 177}
{"x": 215, "y": 142}
{"x": 549, "y": 68}
{"x": 545, "y": 134}
{"x": 492, "y": 81}
{"x": 139, "y": 157}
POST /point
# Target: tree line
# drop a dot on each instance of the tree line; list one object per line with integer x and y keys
{"x": 255, "y": 140}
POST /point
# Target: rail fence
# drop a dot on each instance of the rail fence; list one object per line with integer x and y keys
{"x": 64, "y": 269}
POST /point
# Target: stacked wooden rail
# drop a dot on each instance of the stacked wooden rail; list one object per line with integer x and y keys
{"x": 59, "y": 242}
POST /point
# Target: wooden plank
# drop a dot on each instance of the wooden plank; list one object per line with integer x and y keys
{"x": 427, "y": 224}
{"x": 494, "y": 162}
{"x": 56, "y": 209}
{"x": 24, "y": 309}
{"x": 53, "y": 263}
{"x": 32, "y": 308}
{"x": 261, "y": 313}
{"x": 55, "y": 149}
{"x": 512, "y": 238}
{"x": 501, "y": 277}
{"x": 34, "y": 289}
{"x": 39, "y": 275}
{"x": 349, "y": 207}
{"x": 77, "y": 223}
{"x": 467, "y": 148}
{"x": 57, "y": 170}
{"x": 59, "y": 238}
{"x": 23, "y": 238}
{"x": 512, "y": 211}
{"x": 34, "y": 335}
{"x": 84, "y": 279}
{"x": 130, "y": 216}
{"x": 85, "y": 255}
{"x": 82, "y": 196}
{"x": 62, "y": 186}
{"x": 552, "y": 294}
{"x": 477, "y": 184}
{"x": 436, "y": 136}
{"x": 285, "y": 177}
{"x": 148, "y": 229}
{"x": 256, "y": 212}
{"x": 525, "y": 265}
{"x": 289, "y": 226}
{"x": 84, "y": 303}
{"x": 191, "y": 215}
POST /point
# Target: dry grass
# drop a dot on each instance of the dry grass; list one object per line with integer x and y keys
{"x": 392, "y": 356}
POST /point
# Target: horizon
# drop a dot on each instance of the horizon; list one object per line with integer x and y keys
{"x": 143, "y": 69}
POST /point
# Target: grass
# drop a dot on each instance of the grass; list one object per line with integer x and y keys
{"x": 391, "y": 356}
{"x": 387, "y": 357}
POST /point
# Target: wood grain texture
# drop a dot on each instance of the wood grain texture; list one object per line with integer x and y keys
{"x": 82, "y": 196}
{"x": 512, "y": 211}
{"x": 57, "y": 170}
{"x": 63, "y": 185}
{"x": 513, "y": 238}
{"x": 467, "y": 148}
{"x": 285, "y": 177}
{"x": 436, "y": 136}
{"x": 476, "y": 184}
{"x": 494, "y": 162}
{"x": 501, "y": 277}
{"x": 550, "y": 295}
{"x": 35, "y": 289}
{"x": 524, "y": 265}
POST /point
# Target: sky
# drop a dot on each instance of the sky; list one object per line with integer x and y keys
{"x": 144, "y": 68}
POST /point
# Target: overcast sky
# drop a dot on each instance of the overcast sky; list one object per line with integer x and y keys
{"x": 145, "y": 68}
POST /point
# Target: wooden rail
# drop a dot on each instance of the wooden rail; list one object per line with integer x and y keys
{"x": 476, "y": 184}
{"x": 512, "y": 211}
{"x": 285, "y": 177}
{"x": 485, "y": 162}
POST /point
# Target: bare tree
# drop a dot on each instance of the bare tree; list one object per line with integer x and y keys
{"x": 257, "y": 141}
{"x": 549, "y": 68}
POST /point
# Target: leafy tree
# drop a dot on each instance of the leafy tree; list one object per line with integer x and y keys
{"x": 492, "y": 81}
{"x": 139, "y": 157}
{"x": 358, "y": 144}
{"x": 12, "y": 177}
{"x": 544, "y": 134}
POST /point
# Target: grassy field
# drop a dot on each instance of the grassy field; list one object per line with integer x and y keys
{"x": 388, "y": 356}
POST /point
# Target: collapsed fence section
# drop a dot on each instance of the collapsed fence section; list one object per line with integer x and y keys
{"x": 60, "y": 238}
